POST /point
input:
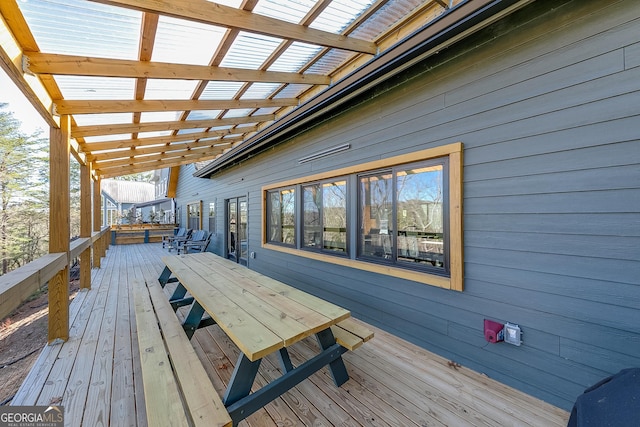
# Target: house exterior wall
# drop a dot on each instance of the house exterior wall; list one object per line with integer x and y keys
{"x": 546, "y": 105}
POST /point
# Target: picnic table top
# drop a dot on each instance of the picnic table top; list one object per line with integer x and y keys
{"x": 260, "y": 314}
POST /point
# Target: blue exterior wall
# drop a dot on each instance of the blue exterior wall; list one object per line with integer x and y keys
{"x": 546, "y": 104}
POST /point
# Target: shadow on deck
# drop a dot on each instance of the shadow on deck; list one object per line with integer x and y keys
{"x": 95, "y": 375}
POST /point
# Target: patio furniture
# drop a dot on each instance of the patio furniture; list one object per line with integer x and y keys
{"x": 261, "y": 316}
{"x": 198, "y": 242}
{"x": 176, "y": 386}
{"x": 168, "y": 239}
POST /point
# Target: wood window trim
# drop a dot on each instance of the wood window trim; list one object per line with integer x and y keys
{"x": 456, "y": 258}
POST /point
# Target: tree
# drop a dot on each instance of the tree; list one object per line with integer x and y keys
{"x": 22, "y": 166}
{"x": 138, "y": 177}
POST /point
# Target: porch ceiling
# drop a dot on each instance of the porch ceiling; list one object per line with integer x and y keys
{"x": 151, "y": 84}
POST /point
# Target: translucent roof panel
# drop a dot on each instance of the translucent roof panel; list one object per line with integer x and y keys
{"x": 330, "y": 62}
{"x": 270, "y": 110}
{"x": 297, "y": 55}
{"x": 160, "y": 116}
{"x": 292, "y": 91}
{"x": 386, "y": 17}
{"x": 83, "y": 28}
{"x": 221, "y": 90}
{"x": 230, "y": 3}
{"x": 285, "y": 10}
{"x": 106, "y": 138}
{"x": 238, "y": 113}
{"x": 340, "y": 14}
{"x": 170, "y": 89}
{"x": 260, "y": 90}
{"x": 102, "y": 119}
{"x": 250, "y": 51}
{"x": 185, "y": 42}
{"x": 203, "y": 115}
{"x": 188, "y": 131}
{"x": 83, "y": 87}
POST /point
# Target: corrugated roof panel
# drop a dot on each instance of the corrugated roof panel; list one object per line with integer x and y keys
{"x": 330, "y": 62}
{"x": 292, "y": 91}
{"x": 160, "y": 116}
{"x": 187, "y": 131}
{"x": 106, "y": 138}
{"x": 291, "y": 11}
{"x": 339, "y": 14}
{"x": 260, "y": 90}
{"x": 170, "y": 89}
{"x": 270, "y": 110}
{"x": 81, "y": 87}
{"x": 221, "y": 90}
{"x": 249, "y": 51}
{"x": 185, "y": 42}
{"x": 102, "y": 119}
{"x": 386, "y": 17}
{"x": 203, "y": 114}
{"x": 85, "y": 28}
{"x": 297, "y": 55}
{"x": 238, "y": 113}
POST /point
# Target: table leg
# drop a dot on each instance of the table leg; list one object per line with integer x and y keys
{"x": 244, "y": 374}
{"x": 164, "y": 276}
{"x": 285, "y": 360}
{"x": 336, "y": 367}
{"x": 192, "y": 321}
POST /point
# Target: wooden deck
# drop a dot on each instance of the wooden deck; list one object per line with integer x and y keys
{"x": 95, "y": 375}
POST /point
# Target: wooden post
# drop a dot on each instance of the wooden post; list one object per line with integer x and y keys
{"x": 59, "y": 228}
{"x": 85, "y": 225}
{"x": 97, "y": 220}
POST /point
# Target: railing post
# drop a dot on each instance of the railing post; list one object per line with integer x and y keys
{"x": 85, "y": 225}
{"x": 97, "y": 220}
{"x": 59, "y": 228}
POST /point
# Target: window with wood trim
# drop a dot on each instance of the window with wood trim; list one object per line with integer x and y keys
{"x": 281, "y": 219}
{"x": 408, "y": 210}
{"x": 324, "y": 216}
{"x": 402, "y": 216}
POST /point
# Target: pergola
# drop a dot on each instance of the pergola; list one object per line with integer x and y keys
{"x": 150, "y": 84}
{"x": 129, "y": 86}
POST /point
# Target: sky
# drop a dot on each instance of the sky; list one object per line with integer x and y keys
{"x": 21, "y": 108}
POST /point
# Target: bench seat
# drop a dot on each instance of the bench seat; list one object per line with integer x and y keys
{"x": 177, "y": 389}
{"x": 351, "y": 334}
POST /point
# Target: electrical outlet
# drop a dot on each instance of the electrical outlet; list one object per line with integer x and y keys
{"x": 512, "y": 334}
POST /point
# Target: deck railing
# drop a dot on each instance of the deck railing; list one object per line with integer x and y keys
{"x": 18, "y": 285}
{"x": 140, "y": 233}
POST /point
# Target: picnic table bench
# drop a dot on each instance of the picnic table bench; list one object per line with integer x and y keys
{"x": 261, "y": 316}
{"x": 177, "y": 389}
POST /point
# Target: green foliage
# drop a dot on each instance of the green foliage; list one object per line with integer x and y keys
{"x": 23, "y": 194}
{"x": 138, "y": 177}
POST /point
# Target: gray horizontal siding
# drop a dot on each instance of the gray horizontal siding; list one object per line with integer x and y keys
{"x": 546, "y": 106}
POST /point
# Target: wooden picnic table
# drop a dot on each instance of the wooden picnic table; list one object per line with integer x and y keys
{"x": 261, "y": 316}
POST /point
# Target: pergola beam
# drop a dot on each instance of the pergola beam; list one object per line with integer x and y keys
{"x": 195, "y": 154}
{"x": 64, "y": 106}
{"x": 183, "y": 146}
{"x": 143, "y": 142}
{"x": 230, "y": 17}
{"x": 158, "y": 164}
{"x": 117, "y": 129}
{"x": 70, "y": 65}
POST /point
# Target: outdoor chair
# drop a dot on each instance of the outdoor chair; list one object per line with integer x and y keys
{"x": 176, "y": 241}
{"x": 168, "y": 238}
{"x": 198, "y": 242}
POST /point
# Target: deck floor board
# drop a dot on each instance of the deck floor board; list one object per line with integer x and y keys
{"x": 96, "y": 374}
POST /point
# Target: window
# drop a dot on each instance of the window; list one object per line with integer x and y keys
{"x": 281, "y": 216}
{"x": 324, "y": 217}
{"x": 408, "y": 210}
{"x": 401, "y": 216}
{"x": 194, "y": 220}
{"x": 212, "y": 217}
